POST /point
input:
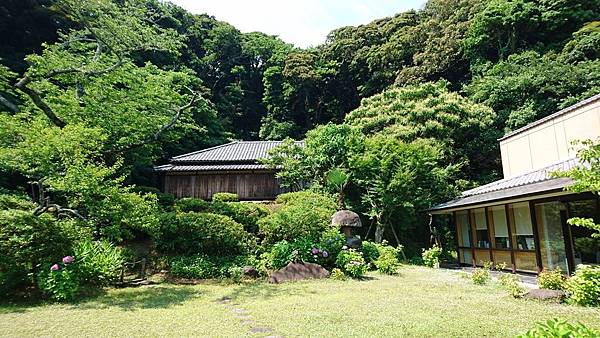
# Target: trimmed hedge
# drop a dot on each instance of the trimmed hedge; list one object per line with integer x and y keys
{"x": 207, "y": 233}
{"x": 247, "y": 214}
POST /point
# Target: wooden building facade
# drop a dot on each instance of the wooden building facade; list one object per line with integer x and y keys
{"x": 521, "y": 220}
{"x": 232, "y": 167}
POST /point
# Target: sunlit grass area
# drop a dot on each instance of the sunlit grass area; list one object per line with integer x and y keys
{"x": 418, "y": 302}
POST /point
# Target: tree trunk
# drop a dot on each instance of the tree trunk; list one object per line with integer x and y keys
{"x": 379, "y": 233}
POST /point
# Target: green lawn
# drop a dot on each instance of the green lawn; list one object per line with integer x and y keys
{"x": 419, "y": 302}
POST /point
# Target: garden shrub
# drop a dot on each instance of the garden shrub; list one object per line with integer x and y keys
{"x": 225, "y": 197}
{"x": 431, "y": 256}
{"x": 316, "y": 198}
{"x": 18, "y": 202}
{"x": 60, "y": 282}
{"x": 204, "y": 266}
{"x": 305, "y": 250}
{"x": 211, "y": 234}
{"x": 352, "y": 263}
{"x": 481, "y": 276}
{"x": 583, "y": 288}
{"x": 98, "y": 262}
{"x": 555, "y": 328}
{"x": 165, "y": 200}
{"x": 332, "y": 241}
{"x": 190, "y": 204}
{"x": 511, "y": 284}
{"x": 247, "y": 214}
{"x": 28, "y": 242}
{"x": 303, "y": 215}
{"x": 337, "y": 274}
{"x": 551, "y": 279}
{"x": 370, "y": 252}
{"x": 387, "y": 262}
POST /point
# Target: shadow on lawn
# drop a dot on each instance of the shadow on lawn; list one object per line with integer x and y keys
{"x": 263, "y": 290}
{"x": 142, "y": 298}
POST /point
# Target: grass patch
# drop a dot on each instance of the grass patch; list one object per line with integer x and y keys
{"x": 418, "y": 302}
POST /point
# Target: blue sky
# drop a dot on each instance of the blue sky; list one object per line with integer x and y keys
{"x": 301, "y": 22}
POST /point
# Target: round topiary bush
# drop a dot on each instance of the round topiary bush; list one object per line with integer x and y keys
{"x": 225, "y": 197}
{"x": 303, "y": 215}
{"x": 211, "y": 234}
{"x": 190, "y": 204}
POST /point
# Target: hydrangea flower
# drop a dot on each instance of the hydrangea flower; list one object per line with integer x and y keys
{"x": 325, "y": 254}
{"x": 68, "y": 259}
{"x": 55, "y": 267}
{"x": 314, "y": 251}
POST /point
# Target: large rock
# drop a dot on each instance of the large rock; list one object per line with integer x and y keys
{"x": 346, "y": 218}
{"x": 554, "y": 296}
{"x": 299, "y": 271}
{"x": 251, "y": 272}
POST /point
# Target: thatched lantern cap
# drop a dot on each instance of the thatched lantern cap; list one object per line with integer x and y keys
{"x": 346, "y": 220}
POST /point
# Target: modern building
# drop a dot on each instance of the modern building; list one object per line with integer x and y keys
{"x": 521, "y": 220}
{"x": 231, "y": 167}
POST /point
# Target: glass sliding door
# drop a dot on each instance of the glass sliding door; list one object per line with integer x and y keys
{"x": 463, "y": 229}
{"x": 550, "y": 229}
{"x": 523, "y": 240}
{"x": 482, "y": 243}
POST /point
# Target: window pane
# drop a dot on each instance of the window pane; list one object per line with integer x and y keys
{"x": 466, "y": 256}
{"x": 464, "y": 229}
{"x": 552, "y": 243}
{"x": 521, "y": 226}
{"x": 499, "y": 227}
{"x": 586, "y": 248}
{"x": 481, "y": 228}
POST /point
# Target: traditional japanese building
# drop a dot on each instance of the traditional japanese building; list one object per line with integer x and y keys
{"x": 231, "y": 167}
{"x": 521, "y": 220}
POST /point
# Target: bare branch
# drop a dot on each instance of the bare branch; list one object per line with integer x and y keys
{"x": 37, "y": 100}
{"x": 179, "y": 112}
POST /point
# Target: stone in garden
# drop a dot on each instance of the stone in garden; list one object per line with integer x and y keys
{"x": 251, "y": 272}
{"x": 545, "y": 295}
{"x": 347, "y": 220}
{"x": 259, "y": 329}
{"x": 299, "y": 271}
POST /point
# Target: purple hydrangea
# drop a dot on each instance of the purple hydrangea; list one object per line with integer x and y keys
{"x": 55, "y": 267}
{"x": 325, "y": 254}
{"x": 68, "y": 259}
{"x": 314, "y": 251}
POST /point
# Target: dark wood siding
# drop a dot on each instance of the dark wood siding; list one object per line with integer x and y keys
{"x": 248, "y": 185}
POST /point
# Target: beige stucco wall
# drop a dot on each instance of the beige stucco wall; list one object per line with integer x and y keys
{"x": 550, "y": 142}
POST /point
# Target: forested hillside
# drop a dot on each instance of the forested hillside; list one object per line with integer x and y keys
{"x": 93, "y": 93}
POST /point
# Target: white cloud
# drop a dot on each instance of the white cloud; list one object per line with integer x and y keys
{"x": 303, "y": 23}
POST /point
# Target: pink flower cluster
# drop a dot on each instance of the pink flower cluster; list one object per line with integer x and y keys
{"x": 66, "y": 261}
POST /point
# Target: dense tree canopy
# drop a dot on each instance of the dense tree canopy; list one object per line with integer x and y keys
{"x": 93, "y": 93}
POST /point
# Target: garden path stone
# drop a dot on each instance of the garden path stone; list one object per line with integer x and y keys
{"x": 261, "y": 329}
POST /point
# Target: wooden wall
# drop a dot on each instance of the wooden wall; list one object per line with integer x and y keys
{"x": 248, "y": 185}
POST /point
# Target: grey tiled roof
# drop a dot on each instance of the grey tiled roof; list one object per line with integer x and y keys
{"x": 535, "y": 176}
{"x": 534, "y": 182}
{"x": 238, "y": 151}
{"x": 553, "y": 116}
{"x": 209, "y": 167}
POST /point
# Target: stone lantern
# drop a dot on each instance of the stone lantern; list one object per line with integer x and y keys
{"x": 347, "y": 220}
